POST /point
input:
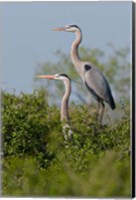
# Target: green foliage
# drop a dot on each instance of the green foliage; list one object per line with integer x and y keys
{"x": 38, "y": 161}
{"x": 25, "y": 121}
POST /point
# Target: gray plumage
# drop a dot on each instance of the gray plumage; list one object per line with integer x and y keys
{"x": 93, "y": 79}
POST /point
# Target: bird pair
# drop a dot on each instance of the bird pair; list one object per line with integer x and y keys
{"x": 95, "y": 82}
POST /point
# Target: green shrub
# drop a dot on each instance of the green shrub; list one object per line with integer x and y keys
{"x": 38, "y": 161}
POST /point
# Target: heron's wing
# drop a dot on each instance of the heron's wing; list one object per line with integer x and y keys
{"x": 96, "y": 81}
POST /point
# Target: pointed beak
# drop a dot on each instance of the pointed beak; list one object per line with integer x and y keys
{"x": 58, "y": 29}
{"x": 46, "y": 76}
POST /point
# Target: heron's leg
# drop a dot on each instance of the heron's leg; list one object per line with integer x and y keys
{"x": 98, "y": 111}
{"x": 101, "y": 108}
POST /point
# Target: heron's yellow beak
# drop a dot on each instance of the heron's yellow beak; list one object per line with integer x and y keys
{"x": 46, "y": 76}
{"x": 58, "y": 29}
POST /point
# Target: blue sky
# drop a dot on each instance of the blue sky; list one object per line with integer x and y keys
{"x": 27, "y": 39}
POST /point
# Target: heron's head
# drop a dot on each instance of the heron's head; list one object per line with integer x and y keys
{"x": 68, "y": 28}
{"x": 62, "y": 77}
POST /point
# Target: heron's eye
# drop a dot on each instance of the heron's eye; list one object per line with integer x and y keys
{"x": 87, "y": 67}
{"x": 57, "y": 75}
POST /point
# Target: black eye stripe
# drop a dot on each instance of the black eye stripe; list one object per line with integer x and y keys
{"x": 64, "y": 75}
{"x": 87, "y": 67}
{"x": 74, "y": 26}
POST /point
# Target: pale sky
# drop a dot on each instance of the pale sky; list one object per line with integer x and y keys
{"x": 27, "y": 39}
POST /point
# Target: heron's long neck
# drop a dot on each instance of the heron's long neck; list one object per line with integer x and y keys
{"x": 74, "y": 50}
{"x": 65, "y": 100}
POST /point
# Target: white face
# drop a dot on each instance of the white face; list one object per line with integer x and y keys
{"x": 70, "y": 29}
{"x": 59, "y": 77}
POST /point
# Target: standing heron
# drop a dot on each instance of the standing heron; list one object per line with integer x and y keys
{"x": 92, "y": 77}
{"x": 64, "y": 113}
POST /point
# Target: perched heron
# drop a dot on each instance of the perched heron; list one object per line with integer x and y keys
{"x": 92, "y": 77}
{"x": 64, "y": 113}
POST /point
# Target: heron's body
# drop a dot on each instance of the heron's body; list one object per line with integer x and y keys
{"x": 92, "y": 77}
{"x": 97, "y": 84}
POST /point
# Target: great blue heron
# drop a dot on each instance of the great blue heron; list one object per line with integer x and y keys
{"x": 64, "y": 113}
{"x": 92, "y": 77}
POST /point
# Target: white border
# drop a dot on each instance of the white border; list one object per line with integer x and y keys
{"x": 64, "y": 0}
{"x": 14, "y": 198}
